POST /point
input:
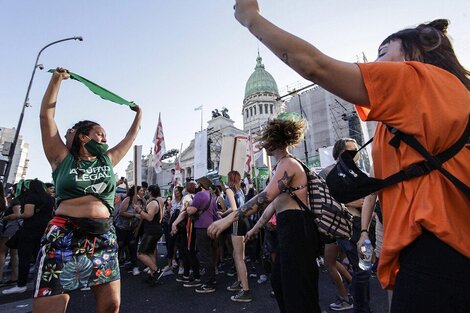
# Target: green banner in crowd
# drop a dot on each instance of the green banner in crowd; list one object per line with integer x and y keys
{"x": 98, "y": 90}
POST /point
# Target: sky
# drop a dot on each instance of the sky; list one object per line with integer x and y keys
{"x": 173, "y": 56}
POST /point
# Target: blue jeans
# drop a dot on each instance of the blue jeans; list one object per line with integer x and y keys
{"x": 360, "y": 284}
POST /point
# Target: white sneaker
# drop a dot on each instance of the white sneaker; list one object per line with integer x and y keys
{"x": 180, "y": 270}
{"x": 147, "y": 270}
{"x": 13, "y": 290}
{"x": 135, "y": 271}
{"x": 166, "y": 268}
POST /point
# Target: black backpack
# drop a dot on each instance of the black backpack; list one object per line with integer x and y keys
{"x": 347, "y": 182}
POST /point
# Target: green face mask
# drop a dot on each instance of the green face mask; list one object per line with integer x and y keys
{"x": 95, "y": 148}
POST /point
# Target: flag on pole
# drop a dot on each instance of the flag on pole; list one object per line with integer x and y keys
{"x": 199, "y": 108}
{"x": 159, "y": 146}
{"x": 98, "y": 90}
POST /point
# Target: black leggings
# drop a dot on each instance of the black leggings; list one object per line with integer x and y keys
{"x": 28, "y": 248}
{"x": 189, "y": 257}
{"x": 433, "y": 277}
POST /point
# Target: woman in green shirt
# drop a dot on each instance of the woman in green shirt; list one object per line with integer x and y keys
{"x": 79, "y": 246}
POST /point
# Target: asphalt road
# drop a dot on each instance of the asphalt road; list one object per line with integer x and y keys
{"x": 171, "y": 296}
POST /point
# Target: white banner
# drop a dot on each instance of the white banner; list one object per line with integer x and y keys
{"x": 138, "y": 165}
{"x": 200, "y": 154}
{"x": 326, "y": 156}
{"x": 233, "y": 154}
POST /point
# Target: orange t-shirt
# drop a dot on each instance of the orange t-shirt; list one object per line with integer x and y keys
{"x": 433, "y": 105}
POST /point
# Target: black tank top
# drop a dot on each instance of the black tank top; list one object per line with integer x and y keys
{"x": 153, "y": 227}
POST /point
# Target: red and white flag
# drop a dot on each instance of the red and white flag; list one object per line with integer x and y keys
{"x": 159, "y": 146}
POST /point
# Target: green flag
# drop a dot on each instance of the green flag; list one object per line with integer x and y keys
{"x": 98, "y": 90}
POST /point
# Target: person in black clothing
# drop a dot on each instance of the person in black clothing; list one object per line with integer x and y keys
{"x": 37, "y": 206}
{"x": 8, "y": 244}
{"x": 152, "y": 217}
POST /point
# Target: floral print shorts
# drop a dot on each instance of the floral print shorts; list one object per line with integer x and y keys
{"x": 70, "y": 260}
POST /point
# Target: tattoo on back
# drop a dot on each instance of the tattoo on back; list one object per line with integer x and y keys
{"x": 257, "y": 203}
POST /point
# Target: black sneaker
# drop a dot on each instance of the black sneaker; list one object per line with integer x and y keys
{"x": 182, "y": 279}
{"x": 193, "y": 283}
{"x": 342, "y": 304}
{"x": 236, "y": 286}
{"x": 242, "y": 296}
{"x": 205, "y": 289}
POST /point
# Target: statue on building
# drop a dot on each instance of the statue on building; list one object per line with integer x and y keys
{"x": 215, "y": 113}
{"x": 224, "y": 112}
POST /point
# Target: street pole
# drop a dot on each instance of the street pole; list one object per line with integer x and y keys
{"x": 305, "y": 140}
{"x": 11, "y": 153}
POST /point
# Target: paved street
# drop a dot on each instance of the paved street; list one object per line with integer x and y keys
{"x": 172, "y": 297}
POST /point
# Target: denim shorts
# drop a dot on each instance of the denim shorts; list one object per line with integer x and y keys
{"x": 69, "y": 259}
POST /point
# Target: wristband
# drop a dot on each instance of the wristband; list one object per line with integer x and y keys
{"x": 364, "y": 231}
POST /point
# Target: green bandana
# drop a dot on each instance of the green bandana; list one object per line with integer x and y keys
{"x": 289, "y": 116}
{"x": 98, "y": 90}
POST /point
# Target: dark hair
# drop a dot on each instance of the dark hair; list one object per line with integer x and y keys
{"x": 429, "y": 43}
{"x": 37, "y": 187}
{"x": 145, "y": 184}
{"x": 131, "y": 191}
{"x": 82, "y": 127}
{"x": 340, "y": 146}
{"x": 282, "y": 133}
{"x": 180, "y": 189}
{"x": 48, "y": 185}
{"x": 154, "y": 190}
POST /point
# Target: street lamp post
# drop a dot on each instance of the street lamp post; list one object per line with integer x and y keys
{"x": 11, "y": 153}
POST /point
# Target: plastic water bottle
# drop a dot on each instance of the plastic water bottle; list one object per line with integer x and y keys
{"x": 366, "y": 249}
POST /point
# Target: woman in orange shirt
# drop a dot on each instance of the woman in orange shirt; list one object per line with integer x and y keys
{"x": 418, "y": 86}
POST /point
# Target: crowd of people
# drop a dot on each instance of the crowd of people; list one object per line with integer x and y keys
{"x": 79, "y": 234}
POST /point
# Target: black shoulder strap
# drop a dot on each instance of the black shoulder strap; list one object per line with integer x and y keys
{"x": 431, "y": 163}
{"x": 291, "y": 190}
{"x": 208, "y": 203}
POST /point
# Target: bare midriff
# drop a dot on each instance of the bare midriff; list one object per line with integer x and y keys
{"x": 86, "y": 206}
{"x": 285, "y": 202}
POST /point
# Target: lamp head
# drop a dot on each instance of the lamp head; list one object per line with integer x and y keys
{"x": 40, "y": 66}
{"x": 80, "y": 38}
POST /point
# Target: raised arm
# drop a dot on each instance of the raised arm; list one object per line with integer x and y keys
{"x": 119, "y": 151}
{"x": 54, "y": 147}
{"x": 340, "y": 78}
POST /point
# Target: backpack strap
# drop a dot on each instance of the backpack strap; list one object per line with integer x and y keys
{"x": 432, "y": 162}
{"x": 290, "y": 190}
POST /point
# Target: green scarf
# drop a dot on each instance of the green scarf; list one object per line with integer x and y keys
{"x": 98, "y": 90}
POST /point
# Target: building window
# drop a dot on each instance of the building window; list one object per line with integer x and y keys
{"x": 271, "y": 109}
{"x": 260, "y": 109}
{"x": 266, "y": 108}
{"x": 254, "y": 109}
{"x": 251, "y": 111}
{"x": 246, "y": 111}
